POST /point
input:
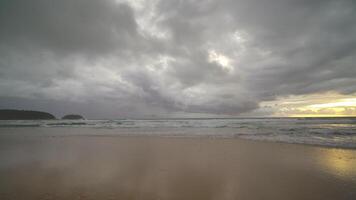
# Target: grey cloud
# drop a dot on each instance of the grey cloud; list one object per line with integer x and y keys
{"x": 68, "y": 26}
{"x": 194, "y": 69}
{"x": 98, "y": 53}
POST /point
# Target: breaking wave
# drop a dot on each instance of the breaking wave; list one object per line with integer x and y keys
{"x": 338, "y": 132}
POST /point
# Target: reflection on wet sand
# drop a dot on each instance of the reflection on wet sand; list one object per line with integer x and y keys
{"x": 167, "y": 168}
{"x": 340, "y": 162}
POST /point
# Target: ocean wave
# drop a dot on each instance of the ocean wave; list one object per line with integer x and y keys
{"x": 18, "y": 125}
{"x": 66, "y": 124}
{"x": 337, "y": 131}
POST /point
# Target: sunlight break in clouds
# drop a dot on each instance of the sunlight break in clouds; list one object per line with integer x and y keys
{"x": 316, "y": 105}
{"x": 220, "y": 59}
{"x": 349, "y": 102}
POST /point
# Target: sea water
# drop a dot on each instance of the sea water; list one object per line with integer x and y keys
{"x": 336, "y": 132}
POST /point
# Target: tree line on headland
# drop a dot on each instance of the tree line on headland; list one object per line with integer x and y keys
{"x": 11, "y": 114}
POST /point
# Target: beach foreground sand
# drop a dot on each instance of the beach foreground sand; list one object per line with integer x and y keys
{"x": 119, "y": 167}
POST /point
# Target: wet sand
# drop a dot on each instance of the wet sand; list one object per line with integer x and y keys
{"x": 119, "y": 167}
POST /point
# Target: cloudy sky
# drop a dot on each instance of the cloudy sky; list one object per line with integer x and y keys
{"x": 179, "y": 58}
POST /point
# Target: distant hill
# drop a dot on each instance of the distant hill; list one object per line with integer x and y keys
{"x": 9, "y": 114}
{"x": 72, "y": 116}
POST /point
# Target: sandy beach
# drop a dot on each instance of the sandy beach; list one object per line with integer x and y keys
{"x": 119, "y": 167}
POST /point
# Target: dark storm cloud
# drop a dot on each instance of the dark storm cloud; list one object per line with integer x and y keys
{"x": 313, "y": 43}
{"x": 136, "y": 58}
{"x": 67, "y": 26}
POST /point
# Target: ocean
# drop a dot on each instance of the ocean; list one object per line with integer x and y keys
{"x": 333, "y": 132}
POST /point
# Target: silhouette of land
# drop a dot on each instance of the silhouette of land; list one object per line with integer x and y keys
{"x": 9, "y": 114}
{"x": 72, "y": 116}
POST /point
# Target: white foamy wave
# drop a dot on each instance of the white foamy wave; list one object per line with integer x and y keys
{"x": 338, "y": 132}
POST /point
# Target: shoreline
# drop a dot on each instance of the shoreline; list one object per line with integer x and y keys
{"x": 138, "y": 132}
{"x": 146, "y": 167}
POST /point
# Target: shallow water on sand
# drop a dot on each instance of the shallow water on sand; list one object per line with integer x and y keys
{"x": 119, "y": 167}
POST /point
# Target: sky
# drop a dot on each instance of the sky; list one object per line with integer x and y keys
{"x": 179, "y": 58}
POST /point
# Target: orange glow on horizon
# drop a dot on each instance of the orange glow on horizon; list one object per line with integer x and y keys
{"x": 316, "y": 115}
{"x": 315, "y": 105}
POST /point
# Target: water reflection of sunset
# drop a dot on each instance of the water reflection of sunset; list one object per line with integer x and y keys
{"x": 340, "y": 162}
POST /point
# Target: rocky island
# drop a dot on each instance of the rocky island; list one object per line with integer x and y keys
{"x": 11, "y": 114}
{"x": 73, "y": 116}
